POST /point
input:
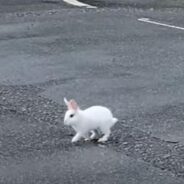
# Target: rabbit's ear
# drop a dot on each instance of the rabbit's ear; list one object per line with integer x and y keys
{"x": 66, "y": 101}
{"x": 73, "y": 105}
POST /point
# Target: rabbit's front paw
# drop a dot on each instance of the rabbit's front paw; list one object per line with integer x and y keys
{"x": 73, "y": 140}
{"x": 76, "y": 138}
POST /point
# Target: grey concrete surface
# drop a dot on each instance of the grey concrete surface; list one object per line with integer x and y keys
{"x": 103, "y": 56}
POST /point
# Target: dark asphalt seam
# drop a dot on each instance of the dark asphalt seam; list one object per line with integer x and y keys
{"x": 129, "y": 4}
{"x": 51, "y": 1}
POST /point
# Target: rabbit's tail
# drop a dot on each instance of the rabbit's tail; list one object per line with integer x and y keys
{"x": 114, "y": 120}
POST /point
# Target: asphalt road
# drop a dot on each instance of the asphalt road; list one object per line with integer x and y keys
{"x": 143, "y": 4}
{"x": 97, "y": 56}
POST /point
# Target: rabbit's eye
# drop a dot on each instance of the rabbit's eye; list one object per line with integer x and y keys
{"x": 72, "y": 115}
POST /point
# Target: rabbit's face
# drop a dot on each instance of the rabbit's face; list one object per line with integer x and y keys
{"x": 71, "y": 117}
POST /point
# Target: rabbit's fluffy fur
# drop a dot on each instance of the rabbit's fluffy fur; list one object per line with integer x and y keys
{"x": 85, "y": 122}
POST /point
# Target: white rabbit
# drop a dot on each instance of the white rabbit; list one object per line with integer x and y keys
{"x": 88, "y": 120}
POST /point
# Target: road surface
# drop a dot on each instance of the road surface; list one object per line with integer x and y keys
{"x": 51, "y": 50}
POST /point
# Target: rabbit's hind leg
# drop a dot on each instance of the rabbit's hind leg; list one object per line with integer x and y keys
{"x": 106, "y": 132}
{"x": 93, "y": 134}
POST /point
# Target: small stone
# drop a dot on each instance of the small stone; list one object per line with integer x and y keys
{"x": 166, "y": 156}
{"x": 23, "y": 109}
{"x": 125, "y": 143}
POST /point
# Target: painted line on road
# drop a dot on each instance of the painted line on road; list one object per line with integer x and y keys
{"x": 79, "y": 4}
{"x": 147, "y": 20}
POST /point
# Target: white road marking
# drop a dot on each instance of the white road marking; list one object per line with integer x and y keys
{"x": 77, "y": 3}
{"x": 147, "y": 20}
